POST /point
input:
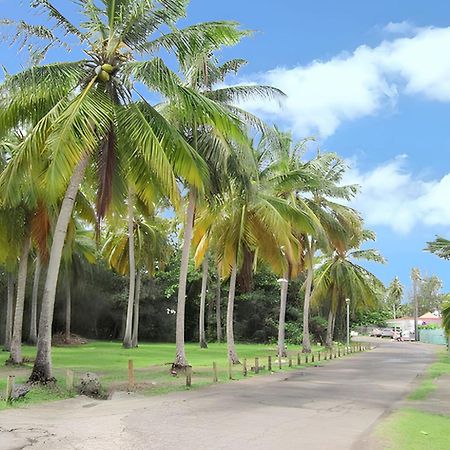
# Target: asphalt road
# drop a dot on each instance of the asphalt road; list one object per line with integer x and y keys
{"x": 329, "y": 407}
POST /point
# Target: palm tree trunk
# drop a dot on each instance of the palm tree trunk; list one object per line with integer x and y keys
{"x": 128, "y": 339}
{"x": 16, "y": 342}
{"x": 218, "y": 309}
{"x": 9, "y": 311}
{"x": 202, "y": 334}
{"x": 68, "y": 307}
{"x": 180, "y": 360}
{"x": 232, "y": 354}
{"x": 42, "y": 369}
{"x": 137, "y": 298}
{"x": 282, "y": 320}
{"x": 34, "y": 301}
{"x": 330, "y": 328}
{"x": 306, "y": 305}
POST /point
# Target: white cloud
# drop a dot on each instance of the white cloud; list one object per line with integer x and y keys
{"x": 393, "y": 197}
{"x": 324, "y": 94}
{"x": 402, "y": 28}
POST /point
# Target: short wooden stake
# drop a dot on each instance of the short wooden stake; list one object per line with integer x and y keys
{"x": 256, "y": 365}
{"x": 290, "y": 361}
{"x": 318, "y": 356}
{"x": 312, "y": 357}
{"x": 244, "y": 368}
{"x": 335, "y": 354}
{"x": 306, "y": 359}
{"x": 188, "y": 376}
{"x": 9, "y": 388}
{"x": 269, "y": 363}
{"x": 215, "y": 376}
{"x": 69, "y": 380}
{"x": 339, "y": 352}
{"x": 299, "y": 359}
{"x": 131, "y": 381}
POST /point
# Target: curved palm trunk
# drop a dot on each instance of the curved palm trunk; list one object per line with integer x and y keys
{"x": 282, "y": 320}
{"x": 180, "y": 360}
{"x": 34, "y": 301}
{"x": 42, "y": 369}
{"x": 137, "y": 298}
{"x": 232, "y": 354}
{"x": 128, "y": 339}
{"x": 330, "y": 328}
{"x": 218, "y": 310}
{"x": 68, "y": 307}
{"x": 9, "y": 311}
{"x": 16, "y": 342}
{"x": 202, "y": 335}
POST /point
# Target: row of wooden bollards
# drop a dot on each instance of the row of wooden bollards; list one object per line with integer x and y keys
{"x": 302, "y": 358}
{"x": 308, "y": 358}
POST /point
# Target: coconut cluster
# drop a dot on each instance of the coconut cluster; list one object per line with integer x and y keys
{"x": 104, "y": 72}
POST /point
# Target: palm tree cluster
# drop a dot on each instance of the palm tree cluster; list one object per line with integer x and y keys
{"x": 95, "y": 151}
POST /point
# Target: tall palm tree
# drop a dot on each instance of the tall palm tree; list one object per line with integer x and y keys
{"x": 85, "y": 110}
{"x": 202, "y": 73}
{"x": 340, "y": 277}
{"x": 394, "y": 295}
{"x": 152, "y": 251}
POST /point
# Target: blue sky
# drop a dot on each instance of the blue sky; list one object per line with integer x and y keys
{"x": 371, "y": 80}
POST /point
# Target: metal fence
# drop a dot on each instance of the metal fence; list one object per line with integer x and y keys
{"x": 436, "y": 336}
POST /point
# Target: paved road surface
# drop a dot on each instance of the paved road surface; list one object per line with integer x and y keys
{"x": 328, "y": 407}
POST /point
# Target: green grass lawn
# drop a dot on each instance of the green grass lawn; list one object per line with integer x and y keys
{"x": 410, "y": 429}
{"x": 152, "y": 363}
{"x": 428, "y": 385}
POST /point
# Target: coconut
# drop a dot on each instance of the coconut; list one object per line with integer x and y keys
{"x": 104, "y": 76}
{"x": 98, "y": 69}
{"x": 107, "y": 68}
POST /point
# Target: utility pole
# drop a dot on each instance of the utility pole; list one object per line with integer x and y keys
{"x": 347, "y": 301}
{"x": 415, "y": 276}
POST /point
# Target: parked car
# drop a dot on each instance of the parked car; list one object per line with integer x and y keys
{"x": 376, "y": 332}
{"x": 387, "y": 332}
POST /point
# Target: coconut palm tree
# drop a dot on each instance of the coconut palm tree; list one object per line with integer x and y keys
{"x": 152, "y": 251}
{"x": 340, "y": 276}
{"x": 202, "y": 73}
{"x": 440, "y": 247}
{"x": 85, "y": 110}
{"x": 394, "y": 295}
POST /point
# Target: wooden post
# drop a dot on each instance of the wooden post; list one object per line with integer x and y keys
{"x": 9, "y": 388}
{"x": 188, "y": 376}
{"x": 244, "y": 368}
{"x": 306, "y": 358}
{"x": 256, "y": 365}
{"x": 290, "y": 361}
{"x": 318, "y": 356}
{"x": 131, "y": 381}
{"x": 269, "y": 363}
{"x": 230, "y": 369}
{"x": 339, "y": 352}
{"x": 299, "y": 359}
{"x": 69, "y": 380}
{"x": 312, "y": 357}
{"x": 325, "y": 356}
{"x": 215, "y": 377}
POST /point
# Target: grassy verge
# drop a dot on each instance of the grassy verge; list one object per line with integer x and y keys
{"x": 409, "y": 429}
{"x": 152, "y": 364}
{"x": 428, "y": 385}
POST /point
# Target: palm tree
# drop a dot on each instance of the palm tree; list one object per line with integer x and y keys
{"x": 394, "y": 295}
{"x": 340, "y": 277}
{"x": 202, "y": 72}
{"x": 151, "y": 249}
{"x": 85, "y": 108}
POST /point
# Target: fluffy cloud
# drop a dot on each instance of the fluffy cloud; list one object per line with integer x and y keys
{"x": 393, "y": 197}
{"x": 324, "y": 94}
